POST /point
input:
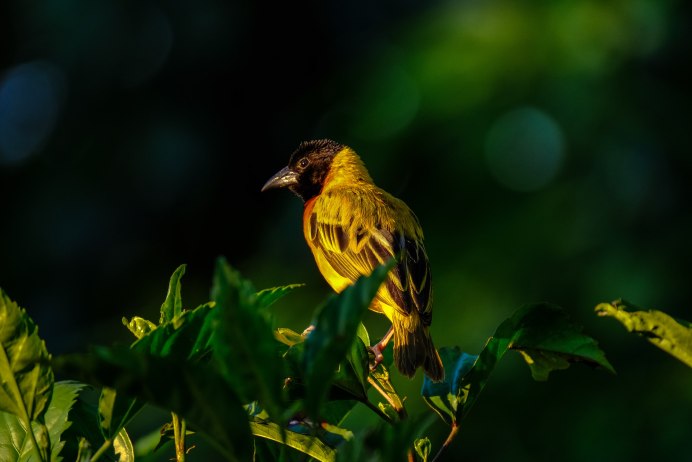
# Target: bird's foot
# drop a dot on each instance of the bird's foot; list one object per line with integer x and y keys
{"x": 307, "y": 330}
{"x": 377, "y": 351}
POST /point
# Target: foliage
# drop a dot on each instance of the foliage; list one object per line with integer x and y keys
{"x": 670, "y": 335}
{"x": 249, "y": 389}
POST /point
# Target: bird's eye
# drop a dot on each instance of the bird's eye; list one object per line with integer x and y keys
{"x": 302, "y": 163}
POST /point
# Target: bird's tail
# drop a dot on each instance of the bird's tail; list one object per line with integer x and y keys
{"x": 413, "y": 348}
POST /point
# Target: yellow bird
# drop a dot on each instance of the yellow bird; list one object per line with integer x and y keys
{"x": 352, "y": 226}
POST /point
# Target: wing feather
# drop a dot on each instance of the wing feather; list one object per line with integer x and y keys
{"x": 353, "y": 243}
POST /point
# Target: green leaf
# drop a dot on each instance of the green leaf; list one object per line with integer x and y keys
{"x": 423, "y": 447}
{"x": 123, "y": 447}
{"x": 267, "y": 297}
{"x": 670, "y": 335}
{"x": 84, "y": 435}
{"x": 385, "y": 441}
{"x": 15, "y": 445}
{"x": 379, "y": 379}
{"x": 549, "y": 340}
{"x": 188, "y": 336}
{"x": 336, "y": 324}
{"x": 448, "y": 397}
{"x": 195, "y": 392}
{"x": 173, "y": 305}
{"x": 116, "y": 410}
{"x": 288, "y": 337}
{"x": 310, "y": 445}
{"x": 25, "y": 373}
{"x": 139, "y": 326}
{"x": 57, "y": 415}
{"x": 544, "y": 336}
{"x": 243, "y": 342}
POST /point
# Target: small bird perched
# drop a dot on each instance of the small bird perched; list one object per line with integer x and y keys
{"x": 352, "y": 226}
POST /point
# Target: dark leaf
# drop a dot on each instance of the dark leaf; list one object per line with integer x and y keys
{"x": 243, "y": 342}
{"x": 267, "y": 297}
{"x": 544, "y": 336}
{"x": 116, "y": 410}
{"x": 336, "y": 324}
{"x": 195, "y": 392}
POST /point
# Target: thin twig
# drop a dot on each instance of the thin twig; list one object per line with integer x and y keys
{"x": 399, "y": 410}
{"x": 102, "y": 450}
{"x": 179, "y": 435}
{"x": 452, "y": 433}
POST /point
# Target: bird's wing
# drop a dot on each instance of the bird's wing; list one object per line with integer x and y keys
{"x": 354, "y": 241}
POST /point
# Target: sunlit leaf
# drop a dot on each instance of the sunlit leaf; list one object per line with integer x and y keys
{"x": 423, "y": 446}
{"x": 670, "y": 335}
{"x": 267, "y": 297}
{"x": 173, "y": 305}
{"x": 288, "y": 336}
{"x": 380, "y": 381}
{"x": 15, "y": 444}
{"x": 186, "y": 337}
{"x": 336, "y": 324}
{"x": 310, "y": 445}
{"x": 56, "y": 417}
{"x": 195, "y": 392}
{"x": 138, "y": 326}
{"x": 122, "y": 445}
{"x": 243, "y": 341}
{"x": 25, "y": 372}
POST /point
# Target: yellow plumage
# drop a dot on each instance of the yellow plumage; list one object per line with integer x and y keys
{"x": 352, "y": 226}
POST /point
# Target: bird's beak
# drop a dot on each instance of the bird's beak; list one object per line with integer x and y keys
{"x": 285, "y": 177}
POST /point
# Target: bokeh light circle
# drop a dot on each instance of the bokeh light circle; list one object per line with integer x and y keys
{"x": 524, "y": 149}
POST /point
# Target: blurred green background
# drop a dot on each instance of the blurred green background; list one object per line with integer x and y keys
{"x": 545, "y": 147}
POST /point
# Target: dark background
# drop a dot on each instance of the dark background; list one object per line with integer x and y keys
{"x": 545, "y": 147}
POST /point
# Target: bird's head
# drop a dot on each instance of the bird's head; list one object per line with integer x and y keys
{"x": 307, "y": 168}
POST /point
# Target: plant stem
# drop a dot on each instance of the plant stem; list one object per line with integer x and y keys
{"x": 179, "y": 434}
{"x": 399, "y": 410}
{"x": 102, "y": 450}
{"x": 452, "y": 433}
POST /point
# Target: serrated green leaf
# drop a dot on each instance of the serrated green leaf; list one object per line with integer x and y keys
{"x": 196, "y": 392}
{"x": 670, "y": 335}
{"x": 336, "y": 324}
{"x": 15, "y": 445}
{"x": 25, "y": 373}
{"x": 267, "y": 297}
{"x": 173, "y": 305}
{"x": 243, "y": 342}
{"x": 84, "y": 435}
{"x": 57, "y": 415}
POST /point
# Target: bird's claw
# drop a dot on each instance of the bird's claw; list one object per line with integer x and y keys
{"x": 307, "y": 330}
{"x": 377, "y": 351}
